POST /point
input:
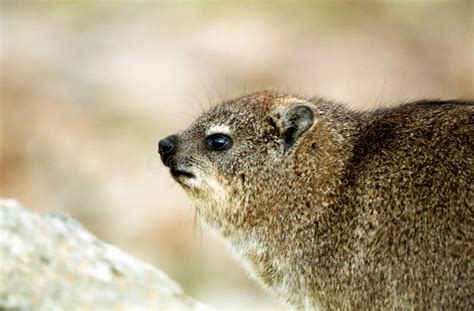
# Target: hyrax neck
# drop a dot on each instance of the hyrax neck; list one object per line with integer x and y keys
{"x": 283, "y": 231}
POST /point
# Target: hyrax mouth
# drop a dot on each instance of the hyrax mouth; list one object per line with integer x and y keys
{"x": 176, "y": 172}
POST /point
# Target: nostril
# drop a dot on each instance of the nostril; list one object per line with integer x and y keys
{"x": 167, "y": 149}
{"x": 165, "y": 146}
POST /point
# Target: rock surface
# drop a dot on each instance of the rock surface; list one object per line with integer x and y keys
{"x": 52, "y": 263}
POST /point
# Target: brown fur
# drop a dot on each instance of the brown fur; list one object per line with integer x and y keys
{"x": 366, "y": 210}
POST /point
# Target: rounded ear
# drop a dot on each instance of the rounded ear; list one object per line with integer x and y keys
{"x": 296, "y": 120}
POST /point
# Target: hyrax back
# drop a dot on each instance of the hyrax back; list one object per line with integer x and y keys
{"x": 331, "y": 208}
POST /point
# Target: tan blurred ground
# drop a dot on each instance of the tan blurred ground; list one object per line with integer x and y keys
{"x": 88, "y": 88}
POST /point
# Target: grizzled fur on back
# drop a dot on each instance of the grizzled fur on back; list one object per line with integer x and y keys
{"x": 332, "y": 208}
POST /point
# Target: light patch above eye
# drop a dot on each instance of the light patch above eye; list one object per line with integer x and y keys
{"x": 218, "y": 129}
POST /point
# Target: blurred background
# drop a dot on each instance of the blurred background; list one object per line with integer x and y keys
{"x": 88, "y": 88}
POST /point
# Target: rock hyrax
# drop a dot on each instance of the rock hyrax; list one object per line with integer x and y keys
{"x": 337, "y": 209}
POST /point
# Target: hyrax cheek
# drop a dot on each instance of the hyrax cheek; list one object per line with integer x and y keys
{"x": 216, "y": 189}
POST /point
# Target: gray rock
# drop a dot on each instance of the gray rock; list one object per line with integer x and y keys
{"x": 52, "y": 263}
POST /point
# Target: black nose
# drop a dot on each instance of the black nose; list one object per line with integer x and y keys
{"x": 167, "y": 149}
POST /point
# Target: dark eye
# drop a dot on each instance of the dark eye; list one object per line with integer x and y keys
{"x": 217, "y": 142}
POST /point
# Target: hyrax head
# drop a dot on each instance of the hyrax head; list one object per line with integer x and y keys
{"x": 236, "y": 150}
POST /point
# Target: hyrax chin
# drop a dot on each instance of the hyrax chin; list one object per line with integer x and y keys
{"x": 331, "y": 208}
